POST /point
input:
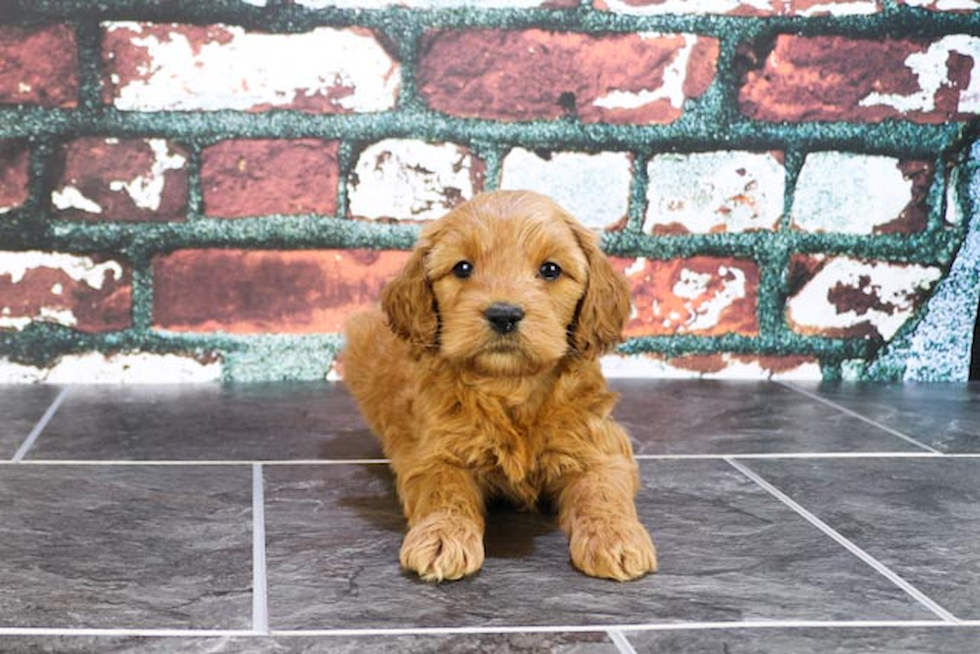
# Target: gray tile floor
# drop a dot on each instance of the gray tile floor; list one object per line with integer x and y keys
{"x": 788, "y": 517}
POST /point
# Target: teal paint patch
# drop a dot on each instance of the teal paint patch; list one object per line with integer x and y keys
{"x": 279, "y": 358}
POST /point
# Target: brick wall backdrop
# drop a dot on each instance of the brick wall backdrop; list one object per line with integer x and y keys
{"x": 200, "y": 190}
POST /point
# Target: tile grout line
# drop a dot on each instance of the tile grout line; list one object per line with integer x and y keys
{"x": 342, "y": 462}
{"x": 620, "y": 640}
{"x": 855, "y": 414}
{"x": 205, "y": 462}
{"x": 432, "y": 631}
{"x": 849, "y": 545}
{"x": 39, "y": 427}
{"x": 796, "y": 455}
{"x": 260, "y": 587}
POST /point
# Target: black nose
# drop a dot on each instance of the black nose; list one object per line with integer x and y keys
{"x": 503, "y": 317}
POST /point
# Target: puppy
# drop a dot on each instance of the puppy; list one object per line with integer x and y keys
{"x": 480, "y": 376}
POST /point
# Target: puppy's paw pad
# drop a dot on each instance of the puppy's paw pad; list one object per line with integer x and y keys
{"x": 443, "y": 548}
{"x": 620, "y": 550}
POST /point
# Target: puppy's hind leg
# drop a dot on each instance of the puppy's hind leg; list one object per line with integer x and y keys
{"x": 377, "y": 373}
{"x": 445, "y": 511}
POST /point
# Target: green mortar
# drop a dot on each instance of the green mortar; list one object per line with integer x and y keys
{"x": 711, "y": 122}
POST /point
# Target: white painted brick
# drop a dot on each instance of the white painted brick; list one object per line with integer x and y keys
{"x": 714, "y": 192}
{"x": 722, "y": 366}
{"x": 849, "y": 193}
{"x": 888, "y": 294}
{"x": 412, "y": 180}
{"x": 347, "y": 69}
{"x": 79, "y": 268}
{"x": 945, "y": 5}
{"x": 128, "y": 368}
{"x": 422, "y": 4}
{"x": 780, "y": 7}
{"x": 595, "y": 188}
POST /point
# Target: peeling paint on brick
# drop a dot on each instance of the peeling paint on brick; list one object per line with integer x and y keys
{"x": 192, "y": 68}
{"x": 742, "y": 7}
{"x": 401, "y": 179}
{"x": 814, "y": 78}
{"x": 943, "y": 5}
{"x": 89, "y": 294}
{"x": 118, "y": 368}
{"x": 715, "y": 366}
{"x": 701, "y": 295}
{"x": 931, "y": 69}
{"x": 121, "y": 179}
{"x": 844, "y": 297}
{"x": 534, "y": 74}
{"x": 594, "y": 188}
{"x": 436, "y": 4}
{"x": 840, "y": 192}
{"x": 714, "y": 192}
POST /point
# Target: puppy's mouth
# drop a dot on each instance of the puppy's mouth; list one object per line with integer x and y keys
{"x": 506, "y": 356}
{"x": 509, "y": 344}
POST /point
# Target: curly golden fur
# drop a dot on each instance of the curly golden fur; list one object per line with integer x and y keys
{"x": 472, "y": 406}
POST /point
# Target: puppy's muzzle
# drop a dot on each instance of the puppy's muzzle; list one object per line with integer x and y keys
{"x": 503, "y": 317}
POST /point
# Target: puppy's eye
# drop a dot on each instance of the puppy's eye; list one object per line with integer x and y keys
{"x": 463, "y": 269}
{"x": 550, "y": 271}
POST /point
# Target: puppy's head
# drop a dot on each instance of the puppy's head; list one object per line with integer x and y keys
{"x": 508, "y": 284}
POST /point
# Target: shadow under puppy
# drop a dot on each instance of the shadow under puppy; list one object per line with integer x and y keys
{"x": 480, "y": 374}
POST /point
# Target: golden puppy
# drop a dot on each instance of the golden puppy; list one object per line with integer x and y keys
{"x": 481, "y": 378}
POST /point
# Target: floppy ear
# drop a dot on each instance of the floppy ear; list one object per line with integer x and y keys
{"x": 605, "y": 307}
{"x": 409, "y": 303}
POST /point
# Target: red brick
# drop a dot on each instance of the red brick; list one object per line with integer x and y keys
{"x": 706, "y": 296}
{"x": 243, "y": 292}
{"x": 160, "y": 67}
{"x": 121, "y": 179}
{"x": 14, "y": 174}
{"x": 38, "y": 65}
{"x": 814, "y": 78}
{"x": 88, "y": 293}
{"x": 535, "y": 74}
{"x": 250, "y": 178}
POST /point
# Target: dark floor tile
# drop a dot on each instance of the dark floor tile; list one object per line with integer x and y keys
{"x": 904, "y": 640}
{"x": 207, "y": 422}
{"x": 920, "y": 517}
{"x": 21, "y": 406}
{"x": 943, "y": 416}
{"x": 529, "y": 643}
{"x": 125, "y": 547}
{"x": 138, "y": 645}
{"x": 728, "y": 551}
{"x": 715, "y": 417}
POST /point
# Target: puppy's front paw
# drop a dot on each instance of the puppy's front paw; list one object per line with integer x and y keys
{"x": 617, "y": 549}
{"x": 443, "y": 547}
